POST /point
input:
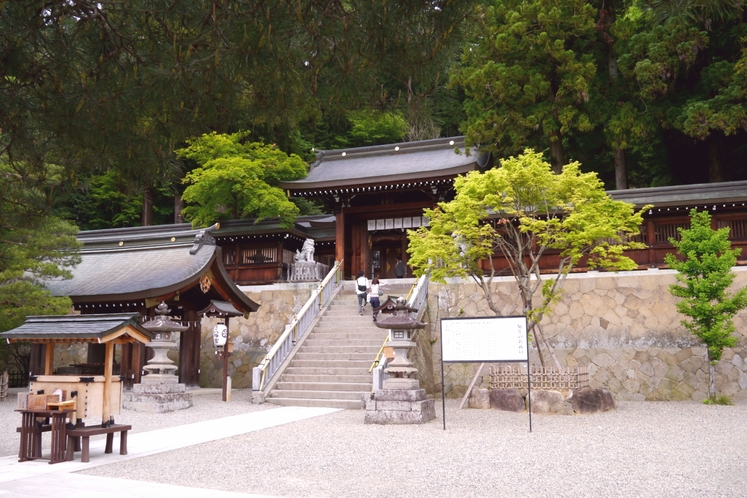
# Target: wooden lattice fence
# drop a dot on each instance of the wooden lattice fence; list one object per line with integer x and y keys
{"x": 515, "y": 377}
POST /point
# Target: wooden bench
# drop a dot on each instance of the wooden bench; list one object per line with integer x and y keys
{"x": 84, "y": 433}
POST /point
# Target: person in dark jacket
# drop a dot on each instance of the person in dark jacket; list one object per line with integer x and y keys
{"x": 399, "y": 268}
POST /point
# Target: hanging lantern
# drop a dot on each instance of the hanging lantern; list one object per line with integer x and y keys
{"x": 220, "y": 335}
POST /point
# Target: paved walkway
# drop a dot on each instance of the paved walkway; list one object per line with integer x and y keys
{"x": 39, "y": 479}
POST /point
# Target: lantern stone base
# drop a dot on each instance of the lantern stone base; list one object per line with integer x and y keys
{"x": 399, "y": 406}
{"x": 157, "y": 398}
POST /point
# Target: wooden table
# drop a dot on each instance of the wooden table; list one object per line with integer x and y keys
{"x": 30, "y": 448}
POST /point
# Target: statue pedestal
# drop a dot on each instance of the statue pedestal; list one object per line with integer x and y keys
{"x": 159, "y": 391}
{"x": 156, "y": 396}
{"x": 399, "y": 406}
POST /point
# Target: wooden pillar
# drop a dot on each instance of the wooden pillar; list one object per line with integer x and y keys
{"x": 340, "y": 235}
{"x": 108, "y": 362}
{"x": 226, "y": 354}
{"x": 189, "y": 351}
{"x": 650, "y": 241}
{"x": 49, "y": 359}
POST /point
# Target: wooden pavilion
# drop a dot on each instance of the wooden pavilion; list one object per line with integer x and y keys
{"x": 99, "y": 395}
{"x": 135, "y": 269}
{"x": 379, "y": 192}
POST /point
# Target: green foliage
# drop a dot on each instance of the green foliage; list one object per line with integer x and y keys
{"x": 373, "y": 128}
{"x": 704, "y": 275}
{"x": 527, "y": 74}
{"x": 522, "y": 209}
{"x": 123, "y": 84}
{"x": 238, "y": 179}
{"x": 34, "y": 245}
{"x": 718, "y": 399}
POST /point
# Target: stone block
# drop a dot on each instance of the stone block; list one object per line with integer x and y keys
{"x": 400, "y": 394}
{"x": 480, "y": 399}
{"x": 548, "y": 402}
{"x": 589, "y": 400}
{"x": 509, "y": 400}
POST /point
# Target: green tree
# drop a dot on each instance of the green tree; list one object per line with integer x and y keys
{"x": 687, "y": 65}
{"x": 527, "y": 75}
{"x": 523, "y": 210}
{"x": 238, "y": 179}
{"x": 34, "y": 246}
{"x": 105, "y": 84}
{"x": 704, "y": 275}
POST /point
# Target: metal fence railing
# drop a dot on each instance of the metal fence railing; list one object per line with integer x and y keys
{"x": 296, "y": 329}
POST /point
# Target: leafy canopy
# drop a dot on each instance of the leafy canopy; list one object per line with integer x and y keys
{"x": 238, "y": 179}
{"x": 704, "y": 275}
{"x": 34, "y": 245}
{"x": 523, "y": 210}
{"x": 527, "y": 74}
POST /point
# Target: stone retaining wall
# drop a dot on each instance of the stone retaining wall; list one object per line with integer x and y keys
{"x": 253, "y": 337}
{"x": 624, "y": 327}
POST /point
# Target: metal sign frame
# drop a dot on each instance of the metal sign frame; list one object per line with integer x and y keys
{"x": 499, "y": 339}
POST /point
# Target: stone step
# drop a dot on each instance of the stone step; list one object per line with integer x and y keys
{"x": 344, "y": 338}
{"x": 315, "y": 371}
{"x": 320, "y": 377}
{"x": 288, "y": 393}
{"x": 326, "y": 403}
{"x": 337, "y": 358}
{"x": 351, "y": 347}
{"x": 336, "y": 364}
{"x": 324, "y": 386}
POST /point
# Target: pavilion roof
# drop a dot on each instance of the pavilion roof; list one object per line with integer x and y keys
{"x": 146, "y": 263}
{"x": 700, "y": 195}
{"x": 120, "y": 327}
{"x": 404, "y": 165}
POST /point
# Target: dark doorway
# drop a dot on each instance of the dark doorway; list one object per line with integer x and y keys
{"x": 385, "y": 247}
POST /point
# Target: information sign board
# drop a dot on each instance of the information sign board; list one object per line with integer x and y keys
{"x": 484, "y": 339}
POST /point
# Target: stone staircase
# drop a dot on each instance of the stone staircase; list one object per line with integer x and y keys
{"x": 331, "y": 367}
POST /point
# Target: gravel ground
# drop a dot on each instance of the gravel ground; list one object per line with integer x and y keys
{"x": 206, "y": 407}
{"x": 648, "y": 449}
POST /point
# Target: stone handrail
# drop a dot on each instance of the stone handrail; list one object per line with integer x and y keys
{"x": 296, "y": 329}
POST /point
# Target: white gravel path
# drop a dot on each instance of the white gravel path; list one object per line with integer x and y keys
{"x": 646, "y": 449}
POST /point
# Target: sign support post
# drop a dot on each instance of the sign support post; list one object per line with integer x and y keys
{"x": 499, "y": 339}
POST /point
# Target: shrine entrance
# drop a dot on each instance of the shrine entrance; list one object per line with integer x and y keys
{"x": 385, "y": 247}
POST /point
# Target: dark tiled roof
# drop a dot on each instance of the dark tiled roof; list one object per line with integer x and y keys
{"x": 220, "y": 308}
{"x": 133, "y": 273}
{"x": 317, "y": 227}
{"x": 75, "y": 327}
{"x": 700, "y": 194}
{"x": 137, "y": 263}
{"x": 389, "y": 163}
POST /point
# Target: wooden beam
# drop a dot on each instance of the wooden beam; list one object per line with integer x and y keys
{"x": 108, "y": 362}
{"x": 340, "y": 236}
{"x": 49, "y": 358}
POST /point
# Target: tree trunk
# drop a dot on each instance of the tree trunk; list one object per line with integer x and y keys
{"x": 621, "y": 169}
{"x": 178, "y": 206}
{"x": 147, "y": 214}
{"x": 556, "y": 151}
{"x": 712, "y": 377}
{"x": 715, "y": 165}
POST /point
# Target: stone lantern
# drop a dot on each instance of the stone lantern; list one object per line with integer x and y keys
{"x": 160, "y": 391}
{"x": 401, "y": 401}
